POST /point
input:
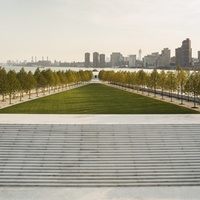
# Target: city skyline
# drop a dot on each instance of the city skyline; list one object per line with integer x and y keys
{"x": 65, "y": 29}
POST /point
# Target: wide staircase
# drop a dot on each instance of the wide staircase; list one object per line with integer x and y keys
{"x": 99, "y": 155}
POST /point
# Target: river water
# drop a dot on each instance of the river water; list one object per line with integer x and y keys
{"x": 32, "y": 69}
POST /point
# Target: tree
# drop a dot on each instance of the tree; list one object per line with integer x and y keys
{"x": 154, "y": 78}
{"x": 21, "y": 75}
{"x": 119, "y": 77}
{"x": 194, "y": 85}
{"x": 62, "y": 77}
{"x": 41, "y": 81}
{"x": 141, "y": 78}
{"x": 162, "y": 81}
{"x": 70, "y": 76}
{"x": 149, "y": 82}
{"x": 133, "y": 79}
{"x": 171, "y": 83}
{"x": 187, "y": 84}
{"x": 49, "y": 76}
{"x": 31, "y": 83}
{"x": 13, "y": 83}
{"x": 3, "y": 83}
{"x": 181, "y": 81}
{"x": 57, "y": 81}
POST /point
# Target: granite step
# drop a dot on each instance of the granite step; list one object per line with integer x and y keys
{"x": 99, "y": 155}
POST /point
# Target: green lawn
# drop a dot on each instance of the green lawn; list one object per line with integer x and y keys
{"x": 96, "y": 99}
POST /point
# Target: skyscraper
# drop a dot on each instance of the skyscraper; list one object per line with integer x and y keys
{"x": 87, "y": 59}
{"x": 178, "y": 56}
{"x": 186, "y": 53}
{"x": 95, "y": 59}
{"x": 102, "y": 60}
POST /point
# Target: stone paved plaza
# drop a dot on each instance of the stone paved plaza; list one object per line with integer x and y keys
{"x": 99, "y": 157}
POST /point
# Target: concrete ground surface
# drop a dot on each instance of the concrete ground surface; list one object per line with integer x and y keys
{"x": 98, "y": 119}
{"x": 128, "y": 193}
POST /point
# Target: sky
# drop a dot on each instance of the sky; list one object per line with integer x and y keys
{"x": 64, "y": 30}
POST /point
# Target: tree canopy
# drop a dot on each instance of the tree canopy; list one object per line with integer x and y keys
{"x": 12, "y": 83}
{"x": 173, "y": 82}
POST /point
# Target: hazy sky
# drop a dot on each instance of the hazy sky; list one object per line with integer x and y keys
{"x": 66, "y": 29}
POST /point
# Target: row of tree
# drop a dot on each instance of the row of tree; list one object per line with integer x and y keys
{"x": 12, "y": 83}
{"x": 177, "y": 82}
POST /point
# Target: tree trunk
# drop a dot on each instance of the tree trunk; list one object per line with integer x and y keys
{"x": 37, "y": 92}
{"x": 171, "y": 95}
{"x": 10, "y": 96}
{"x": 20, "y": 96}
{"x": 194, "y": 100}
{"x": 181, "y": 97}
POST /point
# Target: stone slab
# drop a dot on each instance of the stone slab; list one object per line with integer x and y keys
{"x": 98, "y": 119}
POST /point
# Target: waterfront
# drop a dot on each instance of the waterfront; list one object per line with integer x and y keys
{"x": 54, "y": 68}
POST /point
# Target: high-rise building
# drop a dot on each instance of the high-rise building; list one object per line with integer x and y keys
{"x": 116, "y": 59}
{"x": 87, "y": 59}
{"x": 95, "y": 59}
{"x": 184, "y": 54}
{"x": 199, "y": 56}
{"x": 165, "y": 58}
{"x": 178, "y": 56}
{"x": 102, "y": 60}
{"x": 132, "y": 60}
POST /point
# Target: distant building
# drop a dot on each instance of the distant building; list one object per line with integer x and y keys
{"x": 44, "y": 63}
{"x": 199, "y": 56}
{"x": 151, "y": 60}
{"x": 125, "y": 62}
{"x": 184, "y": 54}
{"x": 102, "y": 60}
{"x": 196, "y": 61}
{"x": 164, "y": 58}
{"x": 139, "y": 63}
{"x": 116, "y": 59}
{"x": 140, "y": 55}
{"x": 173, "y": 59}
{"x": 132, "y": 60}
{"x": 95, "y": 59}
{"x": 178, "y": 56}
{"x": 87, "y": 60}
